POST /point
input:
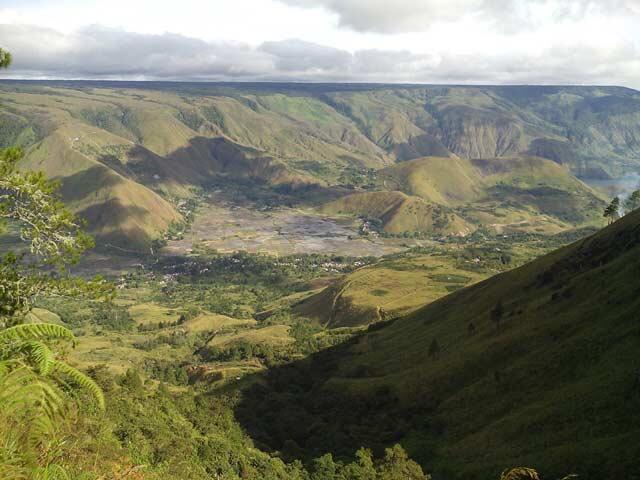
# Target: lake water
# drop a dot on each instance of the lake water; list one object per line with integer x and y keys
{"x": 621, "y": 186}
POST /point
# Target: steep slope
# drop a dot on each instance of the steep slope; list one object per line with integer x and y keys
{"x": 537, "y": 366}
{"x": 400, "y": 213}
{"x": 173, "y": 138}
{"x": 122, "y": 156}
{"x": 117, "y": 210}
{"x": 511, "y": 192}
{"x": 593, "y": 130}
{"x": 446, "y": 181}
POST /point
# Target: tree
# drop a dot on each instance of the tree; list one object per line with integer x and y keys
{"x": 34, "y": 380}
{"x": 5, "y": 59}
{"x": 471, "y": 329}
{"x": 633, "y": 202}
{"x": 497, "y": 313}
{"x": 612, "y": 210}
{"x": 397, "y": 465}
{"x": 522, "y": 473}
{"x": 362, "y": 469}
{"x": 324, "y": 468}
{"x": 434, "y": 349}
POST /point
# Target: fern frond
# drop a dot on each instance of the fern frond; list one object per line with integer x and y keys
{"x": 7, "y": 366}
{"x": 520, "y": 473}
{"x": 81, "y": 380}
{"x": 31, "y": 411}
{"x": 40, "y": 355}
{"x": 23, "y": 394}
{"x": 36, "y": 331}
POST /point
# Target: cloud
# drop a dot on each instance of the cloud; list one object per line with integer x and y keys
{"x": 401, "y": 16}
{"x": 299, "y": 56}
{"x": 97, "y": 52}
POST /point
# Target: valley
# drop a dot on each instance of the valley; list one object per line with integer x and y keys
{"x": 313, "y": 278}
{"x": 276, "y": 230}
{"x": 129, "y": 154}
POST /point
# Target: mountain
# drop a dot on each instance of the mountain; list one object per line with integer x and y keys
{"x": 536, "y": 366}
{"x": 525, "y": 193}
{"x": 593, "y": 130}
{"x": 154, "y": 143}
{"x": 453, "y": 196}
{"x": 400, "y": 213}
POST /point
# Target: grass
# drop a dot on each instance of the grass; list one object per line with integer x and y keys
{"x": 387, "y": 289}
{"x": 551, "y": 385}
{"x": 399, "y": 213}
{"x": 505, "y": 194}
{"x": 123, "y": 152}
{"x": 209, "y": 322}
{"x": 151, "y": 313}
{"x": 276, "y": 335}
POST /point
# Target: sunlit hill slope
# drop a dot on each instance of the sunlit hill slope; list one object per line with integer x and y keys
{"x": 537, "y": 366}
{"x": 135, "y": 149}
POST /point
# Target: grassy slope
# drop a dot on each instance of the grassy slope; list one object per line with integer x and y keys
{"x": 499, "y": 191}
{"x": 387, "y": 289}
{"x": 400, "y": 213}
{"x": 107, "y": 145}
{"x": 506, "y": 194}
{"x": 172, "y": 139}
{"x": 555, "y": 386}
{"x": 593, "y": 130}
{"x": 114, "y": 206}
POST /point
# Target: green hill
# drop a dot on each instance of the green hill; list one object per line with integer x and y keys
{"x": 387, "y": 289}
{"x": 592, "y": 130}
{"x": 537, "y": 366}
{"x": 525, "y": 193}
{"x": 400, "y": 213}
{"x": 164, "y": 141}
{"x": 452, "y": 196}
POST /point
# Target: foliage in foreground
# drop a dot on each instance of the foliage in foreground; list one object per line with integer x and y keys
{"x": 35, "y": 383}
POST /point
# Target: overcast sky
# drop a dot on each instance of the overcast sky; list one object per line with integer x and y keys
{"x": 422, "y": 41}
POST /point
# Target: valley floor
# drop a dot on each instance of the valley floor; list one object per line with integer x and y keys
{"x": 229, "y": 227}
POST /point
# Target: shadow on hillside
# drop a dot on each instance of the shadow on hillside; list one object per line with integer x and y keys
{"x": 125, "y": 220}
{"x": 242, "y": 174}
{"x": 294, "y": 410}
{"x": 82, "y": 184}
{"x": 421, "y": 146}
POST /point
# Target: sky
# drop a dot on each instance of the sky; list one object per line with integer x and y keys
{"x": 399, "y": 41}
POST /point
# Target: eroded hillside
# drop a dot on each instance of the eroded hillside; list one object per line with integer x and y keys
{"x": 127, "y": 154}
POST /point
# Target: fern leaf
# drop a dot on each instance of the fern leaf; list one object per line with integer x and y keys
{"x": 520, "y": 473}
{"x": 82, "y": 380}
{"x": 40, "y": 355}
{"x": 36, "y": 331}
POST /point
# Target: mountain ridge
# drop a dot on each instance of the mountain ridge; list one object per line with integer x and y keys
{"x": 307, "y": 133}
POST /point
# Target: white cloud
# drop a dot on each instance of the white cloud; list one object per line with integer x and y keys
{"x": 462, "y": 41}
{"x": 98, "y": 52}
{"x": 401, "y": 16}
